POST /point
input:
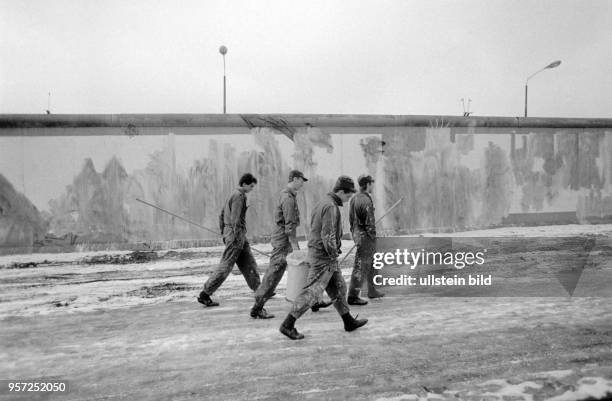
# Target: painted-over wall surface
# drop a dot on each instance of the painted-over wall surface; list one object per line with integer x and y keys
{"x": 68, "y": 182}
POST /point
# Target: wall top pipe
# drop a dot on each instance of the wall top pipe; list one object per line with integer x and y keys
{"x": 8, "y": 121}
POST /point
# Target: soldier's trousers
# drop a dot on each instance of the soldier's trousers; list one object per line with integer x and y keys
{"x": 274, "y": 273}
{"x": 240, "y": 254}
{"x": 362, "y": 268}
{"x": 323, "y": 275}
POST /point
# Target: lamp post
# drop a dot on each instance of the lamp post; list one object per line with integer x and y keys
{"x": 223, "y": 51}
{"x": 551, "y": 65}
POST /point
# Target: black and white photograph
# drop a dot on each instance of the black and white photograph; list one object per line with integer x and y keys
{"x": 390, "y": 200}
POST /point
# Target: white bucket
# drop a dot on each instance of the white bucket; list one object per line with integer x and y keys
{"x": 297, "y": 274}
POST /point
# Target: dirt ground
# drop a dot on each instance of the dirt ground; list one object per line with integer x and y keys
{"x": 130, "y": 331}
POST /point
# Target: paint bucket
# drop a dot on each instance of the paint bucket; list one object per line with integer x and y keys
{"x": 297, "y": 274}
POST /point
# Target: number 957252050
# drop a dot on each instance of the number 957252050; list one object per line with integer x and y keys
{"x": 33, "y": 386}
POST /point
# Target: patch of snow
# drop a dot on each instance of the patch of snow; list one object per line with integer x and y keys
{"x": 510, "y": 390}
{"x": 555, "y": 374}
{"x": 588, "y": 387}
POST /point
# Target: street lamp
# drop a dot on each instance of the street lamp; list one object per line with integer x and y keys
{"x": 551, "y": 65}
{"x": 223, "y": 51}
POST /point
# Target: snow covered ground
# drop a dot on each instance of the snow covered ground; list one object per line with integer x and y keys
{"x": 129, "y": 331}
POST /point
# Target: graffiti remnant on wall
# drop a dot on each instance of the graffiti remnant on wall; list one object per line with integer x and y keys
{"x": 450, "y": 179}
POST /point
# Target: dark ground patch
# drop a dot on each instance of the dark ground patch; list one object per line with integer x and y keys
{"x": 161, "y": 290}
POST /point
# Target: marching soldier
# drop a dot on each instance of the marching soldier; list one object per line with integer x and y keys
{"x": 237, "y": 248}
{"x": 284, "y": 241}
{"x": 363, "y": 230}
{"x": 323, "y": 249}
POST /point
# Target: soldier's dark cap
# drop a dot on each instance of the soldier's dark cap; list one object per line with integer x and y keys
{"x": 296, "y": 174}
{"x": 364, "y": 180}
{"x": 345, "y": 183}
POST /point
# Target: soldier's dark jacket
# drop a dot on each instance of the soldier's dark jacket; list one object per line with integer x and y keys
{"x": 286, "y": 215}
{"x": 361, "y": 216}
{"x": 326, "y": 229}
{"x": 233, "y": 216}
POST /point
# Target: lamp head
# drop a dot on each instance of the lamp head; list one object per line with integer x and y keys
{"x": 223, "y": 50}
{"x": 553, "y": 64}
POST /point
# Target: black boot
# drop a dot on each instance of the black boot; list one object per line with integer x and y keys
{"x": 350, "y": 323}
{"x": 320, "y": 305}
{"x": 258, "y": 312}
{"x": 205, "y": 300}
{"x": 356, "y": 301}
{"x": 288, "y": 329}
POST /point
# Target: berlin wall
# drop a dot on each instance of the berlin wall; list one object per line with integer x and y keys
{"x": 70, "y": 182}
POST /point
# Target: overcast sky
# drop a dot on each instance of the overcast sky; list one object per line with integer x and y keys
{"x": 349, "y": 57}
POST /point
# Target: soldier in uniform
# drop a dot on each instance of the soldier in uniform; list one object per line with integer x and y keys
{"x": 324, "y": 274}
{"x": 363, "y": 230}
{"x": 237, "y": 249}
{"x": 284, "y": 241}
